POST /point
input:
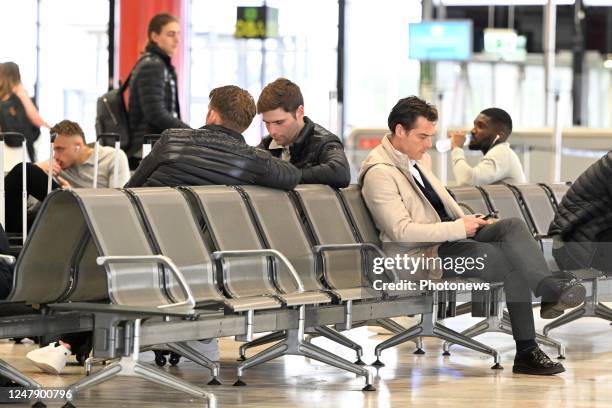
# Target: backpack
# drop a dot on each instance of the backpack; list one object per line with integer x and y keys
{"x": 13, "y": 118}
{"x": 112, "y": 114}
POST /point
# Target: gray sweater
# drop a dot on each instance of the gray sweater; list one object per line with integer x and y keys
{"x": 81, "y": 176}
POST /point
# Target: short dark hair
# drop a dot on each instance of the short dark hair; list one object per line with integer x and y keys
{"x": 281, "y": 93}
{"x": 407, "y": 110}
{"x": 158, "y": 22}
{"x": 500, "y": 118}
{"x": 68, "y": 128}
{"x": 235, "y": 106}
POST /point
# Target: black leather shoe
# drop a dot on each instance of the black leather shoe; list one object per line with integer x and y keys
{"x": 534, "y": 361}
{"x": 569, "y": 295}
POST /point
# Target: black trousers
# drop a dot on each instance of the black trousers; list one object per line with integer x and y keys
{"x": 580, "y": 255}
{"x": 36, "y": 187}
{"x": 602, "y": 259}
{"x": 510, "y": 255}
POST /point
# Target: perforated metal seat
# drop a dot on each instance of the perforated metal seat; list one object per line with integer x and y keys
{"x": 503, "y": 200}
{"x": 471, "y": 198}
{"x": 345, "y": 267}
{"x": 271, "y": 212}
{"x": 117, "y": 231}
{"x": 43, "y": 272}
{"x": 229, "y": 226}
{"x": 557, "y": 190}
{"x": 175, "y": 232}
{"x": 135, "y": 276}
{"x": 282, "y": 230}
{"x": 538, "y": 204}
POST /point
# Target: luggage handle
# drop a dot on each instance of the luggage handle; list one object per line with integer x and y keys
{"x": 147, "y": 144}
{"x": 24, "y": 193}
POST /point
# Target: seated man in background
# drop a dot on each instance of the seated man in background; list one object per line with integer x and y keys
{"x": 216, "y": 153}
{"x": 293, "y": 137}
{"x": 582, "y": 227}
{"x": 500, "y": 163}
{"x": 417, "y": 217}
{"x": 73, "y": 167}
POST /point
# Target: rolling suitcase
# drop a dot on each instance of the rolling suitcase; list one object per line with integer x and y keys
{"x": 24, "y": 194}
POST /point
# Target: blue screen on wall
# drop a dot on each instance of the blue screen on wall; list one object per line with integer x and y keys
{"x": 449, "y": 40}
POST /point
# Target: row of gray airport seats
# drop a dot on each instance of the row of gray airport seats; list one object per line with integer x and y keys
{"x": 162, "y": 266}
{"x": 536, "y": 205}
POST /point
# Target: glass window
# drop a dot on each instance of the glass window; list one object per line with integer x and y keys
{"x": 18, "y": 33}
{"x": 73, "y": 60}
{"x": 378, "y": 71}
{"x": 305, "y": 52}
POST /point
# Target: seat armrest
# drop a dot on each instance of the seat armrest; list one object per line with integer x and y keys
{"x": 188, "y": 303}
{"x": 219, "y": 255}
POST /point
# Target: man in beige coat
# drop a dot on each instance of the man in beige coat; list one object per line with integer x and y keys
{"x": 416, "y": 216}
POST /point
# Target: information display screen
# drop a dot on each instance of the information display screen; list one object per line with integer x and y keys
{"x": 442, "y": 40}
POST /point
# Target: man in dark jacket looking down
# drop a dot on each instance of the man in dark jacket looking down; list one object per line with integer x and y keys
{"x": 294, "y": 138}
{"x": 216, "y": 153}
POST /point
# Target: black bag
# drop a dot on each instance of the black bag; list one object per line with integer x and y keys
{"x": 13, "y": 118}
{"x": 112, "y": 115}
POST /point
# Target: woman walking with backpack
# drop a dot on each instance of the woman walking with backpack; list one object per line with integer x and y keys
{"x": 17, "y": 114}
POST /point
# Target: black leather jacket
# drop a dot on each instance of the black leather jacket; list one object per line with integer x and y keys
{"x": 585, "y": 211}
{"x": 319, "y": 155}
{"x": 153, "y": 104}
{"x": 211, "y": 155}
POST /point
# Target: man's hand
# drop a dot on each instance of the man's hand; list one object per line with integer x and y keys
{"x": 64, "y": 184}
{"x": 457, "y": 138}
{"x": 44, "y": 165}
{"x": 473, "y": 223}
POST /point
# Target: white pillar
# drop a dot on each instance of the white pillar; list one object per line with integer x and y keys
{"x": 550, "y": 29}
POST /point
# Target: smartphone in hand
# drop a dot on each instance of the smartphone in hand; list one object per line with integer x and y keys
{"x": 492, "y": 214}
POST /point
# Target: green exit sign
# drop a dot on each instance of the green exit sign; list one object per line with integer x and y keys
{"x": 256, "y": 22}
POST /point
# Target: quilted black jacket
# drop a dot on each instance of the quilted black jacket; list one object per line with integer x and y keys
{"x": 319, "y": 155}
{"x": 211, "y": 155}
{"x": 586, "y": 209}
{"x": 153, "y": 104}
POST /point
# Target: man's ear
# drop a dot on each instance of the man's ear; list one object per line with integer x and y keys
{"x": 213, "y": 117}
{"x": 399, "y": 130}
{"x": 299, "y": 113}
{"x": 154, "y": 37}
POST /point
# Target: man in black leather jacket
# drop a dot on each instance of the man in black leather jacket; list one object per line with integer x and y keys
{"x": 582, "y": 227}
{"x": 216, "y": 153}
{"x": 153, "y": 103}
{"x": 293, "y": 137}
